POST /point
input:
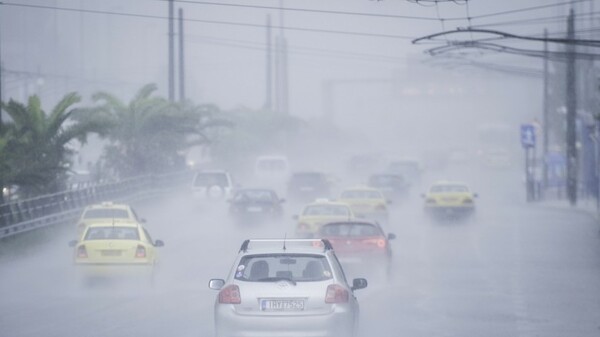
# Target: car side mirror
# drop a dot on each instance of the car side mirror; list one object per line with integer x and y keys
{"x": 159, "y": 243}
{"x": 216, "y": 284}
{"x": 73, "y": 243}
{"x": 359, "y": 283}
{"x": 476, "y": 195}
{"x": 391, "y": 236}
{"x": 389, "y": 202}
{"x": 295, "y": 217}
{"x": 423, "y": 195}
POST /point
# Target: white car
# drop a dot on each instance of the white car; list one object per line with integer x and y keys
{"x": 286, "y": 287}
{"x": 213, "y": 184}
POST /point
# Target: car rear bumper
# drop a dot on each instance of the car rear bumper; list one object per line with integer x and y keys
{"x": 450, "y": 210}
{"x": 228, "y": 323}
{"x": 115, "y": 270}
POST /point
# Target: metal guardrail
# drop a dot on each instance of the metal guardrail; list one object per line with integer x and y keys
{"x": 29, "y": 214}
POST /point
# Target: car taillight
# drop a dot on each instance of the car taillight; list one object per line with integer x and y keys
{"x": 336, "y": 294}
{"x": 140, "y": 251}
{"x": 379, "y": 242}
{"x": 230, "y": 295}
{"x": 82, "y": 252}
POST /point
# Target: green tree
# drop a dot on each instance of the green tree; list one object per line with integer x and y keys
{"x": 34, "y": 152}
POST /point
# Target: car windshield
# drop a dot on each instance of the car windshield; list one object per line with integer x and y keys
{"x": 106, "y": 213}
{"x": 210, "y": 179}
{"x": 254, "y": 195}
{"x": 350, "y": 229}
{"x": 361, "y": 194}
{"x": 112, "y": 233}
{"x": 449, "y": 189}
{"x": 327, "y": 210}
{"x": 276, "y": 267}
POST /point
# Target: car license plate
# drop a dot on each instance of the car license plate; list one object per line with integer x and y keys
{"x": 282, "y": 305}
{"x": 110, "y": 252}
{"x": 254, "y": 209}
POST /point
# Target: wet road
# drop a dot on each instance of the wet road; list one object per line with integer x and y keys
{"x": 512, "y": 270}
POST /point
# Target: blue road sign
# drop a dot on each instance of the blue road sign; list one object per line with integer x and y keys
{"x": 527, "y": 135}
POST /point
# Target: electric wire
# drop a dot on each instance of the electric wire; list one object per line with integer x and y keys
{"x": 229, "y": 23}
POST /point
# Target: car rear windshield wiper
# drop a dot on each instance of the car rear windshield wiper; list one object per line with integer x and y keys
{"x": 275, "y": 279}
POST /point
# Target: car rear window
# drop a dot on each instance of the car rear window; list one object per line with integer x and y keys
{"x": 449, "y": 188}
{"x": 106, "y": 213}
{"x": 112, "y": 233}
{"x": 276, "y": 267}
{"x": 254, "y": 195}
{"x": 350, "y": 230}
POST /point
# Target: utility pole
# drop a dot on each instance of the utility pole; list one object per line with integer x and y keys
{"x": 268, "y": 69}
{"x": 181, "y": 59}
{"x": 285, "y": 104}
{"x": 546, "y": 119}
{"x": 171, "y": 53}
{"x": 571, "y": 100}
{"x": 1, "y": 86}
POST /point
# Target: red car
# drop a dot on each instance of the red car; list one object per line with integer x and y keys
{"x": 361, "y": 246}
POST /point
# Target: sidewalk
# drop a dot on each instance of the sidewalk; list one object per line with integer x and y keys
{"x": 588, "y": 206}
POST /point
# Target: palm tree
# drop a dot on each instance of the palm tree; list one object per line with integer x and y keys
{"x": 33, "y": 145}
{"x": 148, "y": 134}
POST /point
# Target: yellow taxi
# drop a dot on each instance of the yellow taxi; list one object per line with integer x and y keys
{"x": 367, "y": 202}
{"x": 105, "y": 212}
{"x": 320, "y": 212}
{"x": 447, "y": 198}
{"x": 122, "y": 248}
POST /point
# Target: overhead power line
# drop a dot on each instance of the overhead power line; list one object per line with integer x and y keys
{"x": 305, "y": 10}
{"x": 217, "y": 22}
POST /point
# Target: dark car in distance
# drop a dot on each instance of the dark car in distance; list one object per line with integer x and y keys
{"x": 251, "y": 205}
{"x": 393, "y": 186}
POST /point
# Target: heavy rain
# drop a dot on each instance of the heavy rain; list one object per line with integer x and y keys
{"x": 399, "y": 167}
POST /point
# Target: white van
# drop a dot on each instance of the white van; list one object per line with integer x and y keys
{"x": 213, "y": 184}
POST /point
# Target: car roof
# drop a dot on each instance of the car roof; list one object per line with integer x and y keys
{"x": 285, "y": 246}
{"x": 212, "y": 171}
{"x": 326, "y": 202}
{"x": 108, "y": 204}
{"x": 446, "y": 182}
{"x": 118, "y": 223}
{"x": 353, "y": 222}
